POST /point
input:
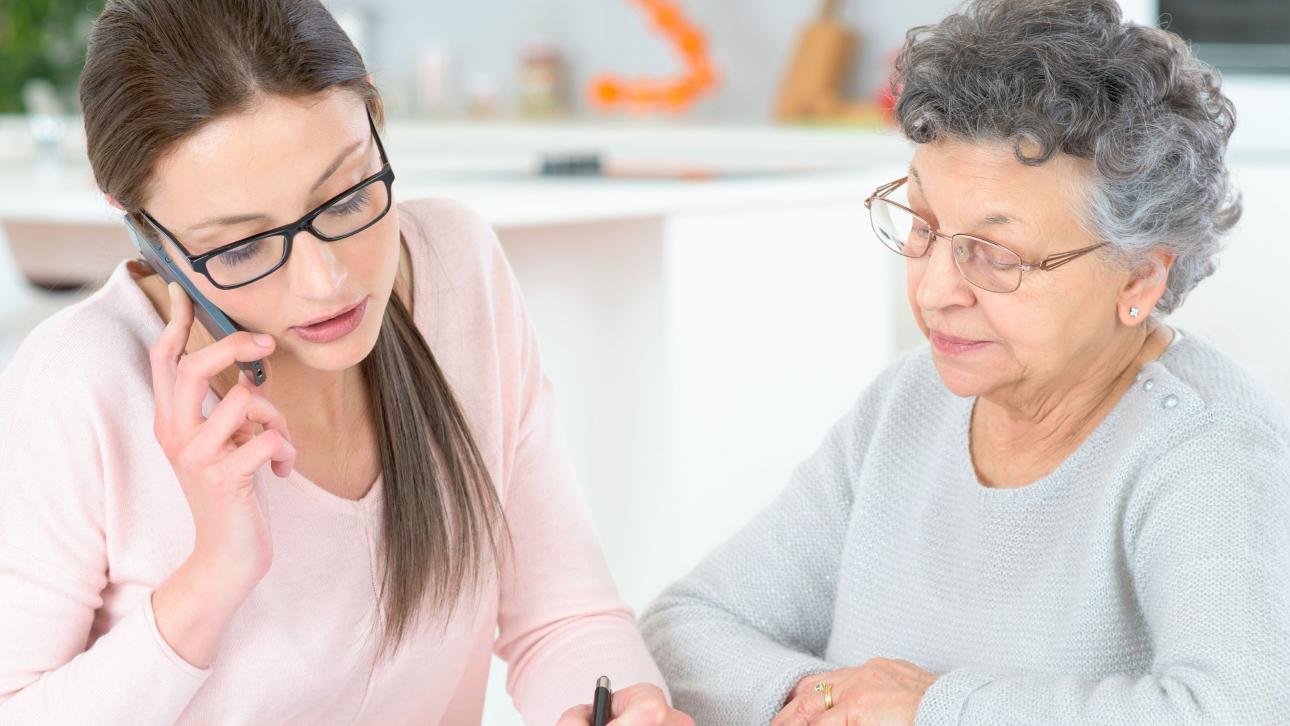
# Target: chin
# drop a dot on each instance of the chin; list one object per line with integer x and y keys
{"x": 337, "y": 356}
{"x": 962, "y": 380}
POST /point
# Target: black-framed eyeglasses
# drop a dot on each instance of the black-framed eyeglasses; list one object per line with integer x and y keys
{"x": 260, "y": 255}
{"x": 987, "y": 265}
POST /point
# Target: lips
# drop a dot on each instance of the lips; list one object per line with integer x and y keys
{"x": 955, "y": 340}
{"x": 329, "y": 316}
{"x": 334, "y": 328}
{"x": 954, "y": 345}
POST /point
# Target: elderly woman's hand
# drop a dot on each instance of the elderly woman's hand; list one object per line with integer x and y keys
{"x": 881, "y": 692}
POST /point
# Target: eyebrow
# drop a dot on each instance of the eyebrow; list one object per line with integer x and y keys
{"x": 992, "y": 218}
{"x": 232, "y": 219}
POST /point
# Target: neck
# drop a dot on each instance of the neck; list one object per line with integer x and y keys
{"x": 317, "y": 401}
{"x": 312, "y": 400}
{"x": 1051, "y": 419}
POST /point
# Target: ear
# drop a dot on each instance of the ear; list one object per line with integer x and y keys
{"x": 368, "y": 77}
{"x": 112, "y": 200}
{"x": 1145, "y": 286}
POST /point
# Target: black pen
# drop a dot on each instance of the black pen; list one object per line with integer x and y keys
{"x": 600, "y": 704}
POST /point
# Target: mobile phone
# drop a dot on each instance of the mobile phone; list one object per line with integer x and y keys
{"x": 217, "y": 323}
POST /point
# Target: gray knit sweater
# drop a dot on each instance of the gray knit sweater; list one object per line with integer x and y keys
{"x": 1144, "y": 581}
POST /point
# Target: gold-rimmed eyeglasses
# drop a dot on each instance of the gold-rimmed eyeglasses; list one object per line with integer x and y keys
{"x": 987, "y": 265}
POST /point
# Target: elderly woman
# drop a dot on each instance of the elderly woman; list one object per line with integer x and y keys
{"x": 1061, "y": 511}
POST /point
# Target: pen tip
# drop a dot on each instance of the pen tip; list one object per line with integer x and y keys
{"x": 602, "y": 682}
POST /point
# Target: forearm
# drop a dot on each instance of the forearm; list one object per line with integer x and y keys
{"x": 129, "y": 676}
{"x": 557, "y": 666}
{"x": 193, "y": 607}
{"x": 737, "y": 633}
{"x": 722, "y": 670}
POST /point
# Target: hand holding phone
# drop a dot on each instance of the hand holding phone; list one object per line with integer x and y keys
{"x": 215, "y": 458}
{"x": 212, "y": 318}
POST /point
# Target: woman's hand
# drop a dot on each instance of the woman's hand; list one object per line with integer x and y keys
{"x": 640, "y": 705}
{"x": 215, "y": 458}
{"x": 881, "y": 692}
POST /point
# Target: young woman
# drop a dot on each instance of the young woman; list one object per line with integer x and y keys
{"x": 349, "y": 542}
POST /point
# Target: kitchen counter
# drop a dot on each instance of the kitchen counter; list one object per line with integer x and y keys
{"x": 62, "y": 232}
{"x": 494, "y": 165}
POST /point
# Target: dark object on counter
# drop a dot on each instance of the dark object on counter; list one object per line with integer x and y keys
{"x": 1249, "y": 36}
{"x": 571, "y": 165}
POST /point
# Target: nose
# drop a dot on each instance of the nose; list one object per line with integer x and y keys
{"x": 941, "y": 284}
{"x": 314, "y": 271}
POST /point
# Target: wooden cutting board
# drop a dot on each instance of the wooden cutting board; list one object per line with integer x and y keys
{"x": 819, "y": 67}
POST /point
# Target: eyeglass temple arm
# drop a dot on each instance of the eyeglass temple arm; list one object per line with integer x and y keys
{"x": 886, "y": 189}
{"x": 1052, "y": 262}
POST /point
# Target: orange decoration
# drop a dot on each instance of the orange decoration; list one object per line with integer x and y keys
{"x": 667, "y": 18}
{"x": 691, "y": 44}
{"x": 676, "y": 94}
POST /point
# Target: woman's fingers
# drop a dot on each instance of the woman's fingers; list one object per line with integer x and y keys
{"x": 237, "y": 414}
{"x": 180, "y": 382}
{"x": 792, "y": 714}
{"x": 644, "y": 705}
{"x": 193, "y": 374}
{"x": 832, "y": 717}
{"x": 576, "y": 716}
{"x": 805, "y": 703}
{"x": 267, "y": 446}
{"x": 889, "y": 689}
{"x": 181, "y": 307}
{"x": 164, "y": 356}
{"x": 249, "y": 428}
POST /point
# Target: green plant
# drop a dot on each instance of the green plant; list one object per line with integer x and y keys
{"x": 42, "y": 39}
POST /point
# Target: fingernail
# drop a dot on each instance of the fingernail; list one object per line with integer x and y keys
{"x": 264, "y": 340}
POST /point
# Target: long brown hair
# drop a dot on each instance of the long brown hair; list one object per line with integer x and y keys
{"x": 155, "y": 72}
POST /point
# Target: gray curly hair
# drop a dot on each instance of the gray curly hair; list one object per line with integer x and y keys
{"x": 1069, "y": 76}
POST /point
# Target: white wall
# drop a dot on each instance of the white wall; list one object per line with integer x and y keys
{"x": 1243, "y": 306}
{"x": 698, "y": 361}
{"x": 751, "y": 40}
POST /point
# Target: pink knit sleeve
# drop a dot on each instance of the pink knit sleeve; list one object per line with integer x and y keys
{"x": 562, "y": 623}
{"x": 53, "y": 560}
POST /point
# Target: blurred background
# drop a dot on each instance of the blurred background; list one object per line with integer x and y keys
{"x": 679, "y": 188}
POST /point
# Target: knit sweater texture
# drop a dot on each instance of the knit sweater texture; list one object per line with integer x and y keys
{"x": 1145, "y": 580}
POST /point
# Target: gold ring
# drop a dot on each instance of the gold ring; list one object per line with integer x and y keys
{"x": 827, "y": 689}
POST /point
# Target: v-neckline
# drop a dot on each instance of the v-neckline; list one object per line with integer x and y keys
{"x": 309, "y": 486}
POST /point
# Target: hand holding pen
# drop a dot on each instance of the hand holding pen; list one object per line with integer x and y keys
{"x": 643, "y": 704}
{"x": 600, "y": 703}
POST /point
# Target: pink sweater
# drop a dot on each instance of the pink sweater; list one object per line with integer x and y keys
{"x": 92, "y": 520}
